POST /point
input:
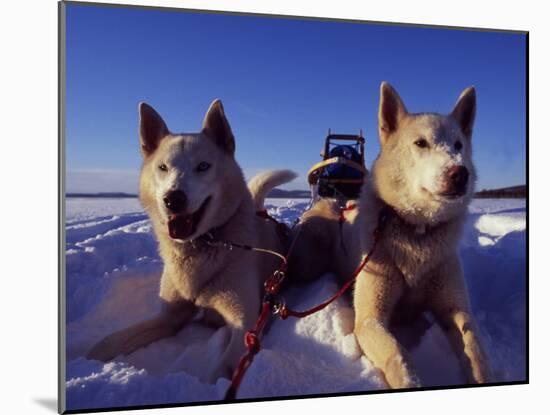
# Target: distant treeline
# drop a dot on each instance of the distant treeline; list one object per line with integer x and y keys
{"x": 289, "y": 194}
{"x": 117, "y": 195}
{"x": 513, "y": 192}
{"x": 275, "y": 194}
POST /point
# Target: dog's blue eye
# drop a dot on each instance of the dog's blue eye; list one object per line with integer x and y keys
{"x": 458, "y": 146}
{"x": 203, "y": 166}
{"x": 421, "y": 143}
{"x": 163, "y": 167}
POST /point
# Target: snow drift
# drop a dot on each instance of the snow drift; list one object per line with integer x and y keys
{"x": 113, "y": 273}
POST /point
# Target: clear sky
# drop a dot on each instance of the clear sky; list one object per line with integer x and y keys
{"x": 283, "y": 83}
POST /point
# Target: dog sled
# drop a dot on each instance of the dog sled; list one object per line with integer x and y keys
{"x": 341, "y": 173}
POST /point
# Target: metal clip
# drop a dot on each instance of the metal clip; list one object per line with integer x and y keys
{"x": 279, "y": 276}
{"x": 271, "y": 285}
{"x": 277, "y": 306}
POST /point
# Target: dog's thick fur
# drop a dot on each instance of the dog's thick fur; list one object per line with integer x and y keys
{"x": 416, "y": 266}
{"x": 225, "y": 285}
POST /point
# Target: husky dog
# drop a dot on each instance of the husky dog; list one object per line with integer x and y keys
{"x": 422, "y": 180}
{"x": 192, "y": 186}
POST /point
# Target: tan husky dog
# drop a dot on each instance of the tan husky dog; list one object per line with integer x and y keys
{"x": 423, "y": 180}
{"x": 195, "y": 194}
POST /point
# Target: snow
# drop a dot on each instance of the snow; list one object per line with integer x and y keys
{"x": 113, "y": 272}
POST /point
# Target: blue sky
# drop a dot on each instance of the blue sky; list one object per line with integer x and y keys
{"x": 283, "y": 83}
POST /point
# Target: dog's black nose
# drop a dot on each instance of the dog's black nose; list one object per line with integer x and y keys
{"x": 457, "y": 177}
{"x": 175, "y": 201}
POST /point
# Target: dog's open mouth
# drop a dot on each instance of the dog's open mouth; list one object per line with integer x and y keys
{"x": 183, "y": 226}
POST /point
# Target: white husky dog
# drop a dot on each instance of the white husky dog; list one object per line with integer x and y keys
{"x": 192, "y": 186}
{"x": 422, "y": 180}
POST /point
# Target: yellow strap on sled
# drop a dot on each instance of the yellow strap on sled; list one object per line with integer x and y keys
{"x": 313, "y": 174}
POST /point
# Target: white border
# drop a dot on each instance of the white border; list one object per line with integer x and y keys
{"x": 28, "y": 103}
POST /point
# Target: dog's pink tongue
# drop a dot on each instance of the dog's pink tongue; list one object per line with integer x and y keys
{"x": 180, "y": 227}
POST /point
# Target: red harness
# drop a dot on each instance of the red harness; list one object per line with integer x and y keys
{"x": 271, "y": 302}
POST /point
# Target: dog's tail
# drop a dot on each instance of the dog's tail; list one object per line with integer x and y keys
{"x": 261, "y": 184}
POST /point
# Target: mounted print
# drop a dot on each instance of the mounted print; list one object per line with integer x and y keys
{"x": 258, "y": 207}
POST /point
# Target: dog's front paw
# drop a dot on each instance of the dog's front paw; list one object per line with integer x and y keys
{"x": 398, "y": 375}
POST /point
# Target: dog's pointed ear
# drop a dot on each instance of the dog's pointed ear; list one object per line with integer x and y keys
{"x": 390, "y": 112}
{"x": 464, "y": 111}
{"x": 216, "y": 126}
{"x": 152, "y": 129}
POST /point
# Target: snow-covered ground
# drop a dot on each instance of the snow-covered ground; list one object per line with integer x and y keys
{"x": 113, "y": 272}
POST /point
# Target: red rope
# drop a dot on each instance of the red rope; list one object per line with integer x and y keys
{"x": 272, "y": 287}
{"x": 252, "y": 337}
{"x": 252, "y": 343}
{"x": 286, "y": 312}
